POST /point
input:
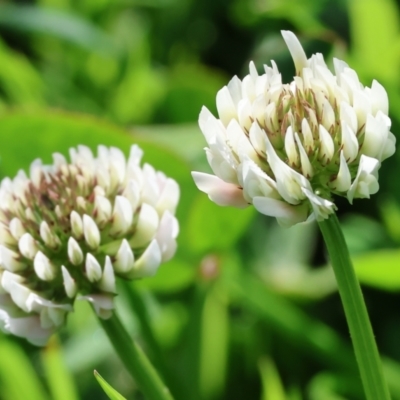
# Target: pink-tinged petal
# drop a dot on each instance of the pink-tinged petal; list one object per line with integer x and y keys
{"x": 220, "y": 192}
{"x": 286, "y": 214}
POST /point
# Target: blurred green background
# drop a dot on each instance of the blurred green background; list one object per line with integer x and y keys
{"x": 246, "y": 310}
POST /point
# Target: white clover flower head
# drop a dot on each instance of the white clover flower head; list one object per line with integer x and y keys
{"x": 68, "y": 229}
{"x": 287, "y": 148}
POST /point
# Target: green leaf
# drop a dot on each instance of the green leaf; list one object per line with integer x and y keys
{"x": 69, "y": 27}
{"x": 271, "y": 382}
{"x": 109, "y": 390}
{"x": 174, "y": 276}
{"x": 59, "y": 378}
{"x": 379, "y": 269}
{"x": 214, "y": 343}
{"x": 19, "y": 81}
{"x": 375, "y": 36}
{"x": 212, "y": 227}
{"x": 19, "y": 380}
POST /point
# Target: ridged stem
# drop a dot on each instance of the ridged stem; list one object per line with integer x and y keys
{"x": 364, "y": 344}
{"x": 135, "y": 360}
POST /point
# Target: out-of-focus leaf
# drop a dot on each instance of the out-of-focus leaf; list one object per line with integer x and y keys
{"x": 390, "y": 212}
{"x": 271, "y": 382}
{"x": 19, "y": 80}
{"x": 19, "y": 380}
{"x": 323, "y": 386}
{"x": 212, "y": 227}
{"x": 58, "y": 24}
{"x": 213, "y": 343}
{"x": 379, "y": 268}
{"x": 376, "y": 49}
{"x": 189, "y": 88}
{"x": 58, "y": 376}
{"x": 186, "y": 139}
{"x": 108, "y": 389}
{"x": 362, "y": 233}
{"x": 172, "y": 277}
{"x": 137, "y": 96}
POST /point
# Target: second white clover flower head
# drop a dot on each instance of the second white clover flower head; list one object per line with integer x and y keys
{"x": 69, "y": 229}
{"x": 287, "y": 148}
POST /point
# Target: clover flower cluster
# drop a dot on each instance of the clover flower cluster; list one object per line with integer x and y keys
{"x": 287, "y": 148}
{"x": 69, "y": 229}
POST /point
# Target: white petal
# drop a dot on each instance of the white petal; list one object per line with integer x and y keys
{"x": 376, "y": 134}
{"x": 28, "y": 327}
{"x": 69, "y": 283}
{"x": 288, "y": 181}
{"x": 93, "y": 268}
{"x": 107, "y": 281}
{"x": 124, "y": 258}
{"x": 349, "y": 142}
{"x": 378, "y": 97}
{"x": 327, "y": 148}
{"x": 27, "y": 246}
{"x": 167, "y": 232}
{"x": 148, "y": 263}
{"x": 306, "y": 167}
{"x": 322, "y": 208}
{"x": 296, "y": 50}
{"x": 50, "y": 238}
{"x": 132, "y": 193}
{"x": 169, "y": 197}
{"x": 75, "y": 253}
{"x": 19, "y": 293}
{"x": 44, "y": 269}
{"x": 91, "y": 232}
{"x": 220, "y": 192}
{"x": 348, "y": 114}
{"x": 122, "y": 217}
{"x": 225, "y": 106}
{"x": 290, "y": 147}
{"x": 103, "y": 304}
{"x": 286, "y": 214}
{"x": 5, "y": 235}
{"x": 343, "y": 181}
{"x": 76, "y": 225}
{"x": 10, "y": 260}
{"x": 366, "y": 180}
{"x": 307, "y": 135}
{"x": 102, "y": 210}
{"x": 146, "y": 227}
{"x": 16, "y": 228}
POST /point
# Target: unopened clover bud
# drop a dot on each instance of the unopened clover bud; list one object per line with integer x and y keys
{"x": 124, "y": 258}
{"x": 75, "y": 254}
{"x": 92, "y": 268}
{"x": 27, "y": 246}
{"x": 16, "y": 228}
{"x": 43, "y": 267}
{"x": 69, "y": 283}
{"x": 91, "y": 232}
{"x": 76, "y": 225}
{"x": 10, "y": 260}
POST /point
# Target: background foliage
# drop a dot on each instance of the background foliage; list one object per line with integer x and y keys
{"x": 245, "y": 310}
